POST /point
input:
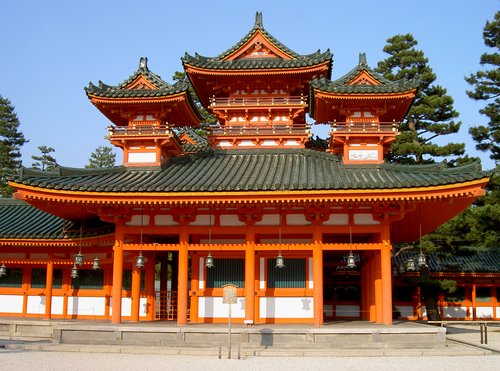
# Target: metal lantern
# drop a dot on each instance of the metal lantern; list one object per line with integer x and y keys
{"x": 209, "y": 262}
{"x": 280, "y": 261}
{"x": 410, "y": 265}
{"x": 421, "y": 261}
{"x": 139, "y": 262}
{"x": 3, "y": 270}
{"x": 79, "y": 259}
{"x": 96, "y": 263}
{"x": 74, "y": 271}
{"x": 351, "y": 261}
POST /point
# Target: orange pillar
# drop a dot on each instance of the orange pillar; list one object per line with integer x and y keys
{"x": 182, "y": 294}
{"x": 250, "y": 275}
{"x": 378, "y": 288}
{"x": 473, "y": 294}
{"x": 318, "y": 275}
{"x": 371, "y": 287}
{"x": 385, "y": 268}
{"x": 48, "y": 288}
{"x": 150, "y": 287}
{"x": 136, "y": 291}
{"x": 116, "y": 293}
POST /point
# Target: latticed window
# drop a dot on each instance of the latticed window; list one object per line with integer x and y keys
{"x": 14, "y": 278}
{"x": 88, "y": 280}
{"x": 292, "y": 276}
{"x": 127, "y": 279}
{"x": 39, "y": 278}
{"x": 226, "y": 271}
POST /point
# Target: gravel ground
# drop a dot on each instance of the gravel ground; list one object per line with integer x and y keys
{"x": 34, "y": 360}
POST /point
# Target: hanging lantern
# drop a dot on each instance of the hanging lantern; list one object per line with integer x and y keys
{"x": 280, "y": 261}
{"x": 79, "y": 259}
{"x": 209, "y": 261}
{"x": 421, "y": 260}
{"x": 139, "y": 262}
{"x": 3, "y": 270}
{"x": 74, "y": 271}
{"x": 96, "y": 264}
{"x": 351, "y": 261}
{"x": 410, "y": 265}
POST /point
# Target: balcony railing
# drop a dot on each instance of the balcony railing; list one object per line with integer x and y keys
{"x": 261, "y": 130}
{"x": 258, "y": 101}
{"x": 364, "y": 127}
{"x": 139, "y": 130}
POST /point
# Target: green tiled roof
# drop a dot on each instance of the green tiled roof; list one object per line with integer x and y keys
{"x": 218, "y": 62}
{"x": 341, "y": 85}
{"x": 119, "y": 91}
{"x": 472, "y": 262}
{"x": 252, "y": 170}
{"x": 21, "y": 220}
{"x": 200, "y": 143}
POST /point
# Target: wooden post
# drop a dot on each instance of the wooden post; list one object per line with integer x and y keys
{"x": 116, "y": 305}
{"x": 318, "y": 275}
{"x": 386, "y": 277}
{"x": 136, "y": 291}
{"x": 371, "y": 287}
{"x": 150, "y": 287}
{"x": 48, "y": 288}
{"x": 250, "y": 275}
{"x": 182, "y": 294}
{"x": 378, "y": 288}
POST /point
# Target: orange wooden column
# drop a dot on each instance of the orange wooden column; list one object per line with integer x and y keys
{"x": 318, "y": 275}
{"x": 378, "y": 288}
{"x": 48, "y": 288}
{"x": 150, "y": 287}
{"x": 195, "y": 285}
{"x": 116, "y": 293}
{"x": 386, "y": 276}
{"x": 136, "y": 291}
{"x": 371, "y": 287}
{"x": 182, "y": 293}
{"x": 250, "y": 275}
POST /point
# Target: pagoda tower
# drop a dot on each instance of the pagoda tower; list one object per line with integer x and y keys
{"x": 258, "y": 91}
{"x": 144, "y": 109}
{"x": 364, "y": 110}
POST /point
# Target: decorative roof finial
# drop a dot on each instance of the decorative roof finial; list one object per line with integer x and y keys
{"x": 258, "y": 20}
{"x": 143, "y": 63}
{"x": 362, "y": 59}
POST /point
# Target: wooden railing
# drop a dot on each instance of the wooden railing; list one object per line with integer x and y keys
{"x": 258, "y": 101}
{"x": 139, "y": 130}
{"x": 364, "y": 127}
{"x": 166, "y": 305}
{"x": 261, "y": 130}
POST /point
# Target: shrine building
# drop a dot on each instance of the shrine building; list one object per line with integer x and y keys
{"x": 304, "y": 227}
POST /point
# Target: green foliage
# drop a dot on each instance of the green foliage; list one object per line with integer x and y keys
{"x": 11, "y": 140}
{"x": 487, "y": 88}
{"x": 45, "y": 162}
{"x": 432, "y": 112}
{"x": 208, "y": 119}
{"x": 102, "y": 157}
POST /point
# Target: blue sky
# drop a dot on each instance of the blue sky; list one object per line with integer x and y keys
{"x": 52, "y": 49}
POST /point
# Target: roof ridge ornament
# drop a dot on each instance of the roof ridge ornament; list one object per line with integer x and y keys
{"x": 258, "y": 20}
{"x": 362, "y": 59}
{"x": 143, "y": 63}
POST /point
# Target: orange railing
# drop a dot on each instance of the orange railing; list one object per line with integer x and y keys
{"x": 139, "y": 130}
{"x": 258, "y": 101}
{"x": 261, "y": 130}
{"x": 364, "y": 127}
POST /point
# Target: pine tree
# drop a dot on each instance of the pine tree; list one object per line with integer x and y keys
{"x": 45, "y": 162}
{"x": 102, "y": 157}
{"x": 11, "y": 140}
{"x": 431, "y": 114}
{"x": 487, "y": 88}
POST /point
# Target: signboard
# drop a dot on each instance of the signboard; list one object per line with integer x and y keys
{"x": 229, "y": 294}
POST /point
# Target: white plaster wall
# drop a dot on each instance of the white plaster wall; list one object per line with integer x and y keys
{"x": 213, "y": 307}
{"x": 143, "y": 307}
{"x": 455, "y": 312}
{"x": 269, "y": 219}
{"x": 138, "y": 157}
{"x": 364, "y": 219}
{"x": 347, "y": 310}
{"x": 230, "y": 221}
{"x": 126, "y": 306}
{"x": 11, "y": 303}
{"x": 337, "y": 219}
{"x": 36, "y": 305}
{"x": 484, "y": 312}
{"x": 296, "y": 219}
{"x": 290, "y": 307}
{"x": 138, "y": 220}
{"x": 89, "y": 306}
{"x": 57, "y": 304}
{"x": 405, "y": 310}
{"x": 164, "y": 220}
{"x": 498, "y": 312}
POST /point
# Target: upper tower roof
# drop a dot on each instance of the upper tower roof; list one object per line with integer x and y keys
{"x": 258, "y": 49}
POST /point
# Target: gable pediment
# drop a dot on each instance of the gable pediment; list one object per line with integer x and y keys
{"x": 258, "y": 46}
{"x": 364, "y": 78}
{"x": 140, "y": 83}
